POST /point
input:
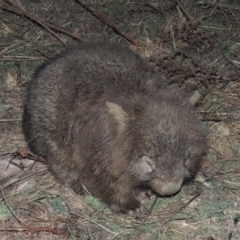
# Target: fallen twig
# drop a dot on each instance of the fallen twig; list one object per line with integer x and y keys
{"x": 10, "y": 120}
{"x": 18, "y": 178}
{"x": 182, "y": 207}
{"x": 182, "y": 7}
{"x": 92, "y": 221}
{"x": 234, "y": 62}
{"x": 55, "y": 231}
{"x": 208, "y": 4}
{"x": 212, "y": 119}
{"x": 42, "y": 23}
{"x": 10, "y": 209}
{"x": 106, "y": 19}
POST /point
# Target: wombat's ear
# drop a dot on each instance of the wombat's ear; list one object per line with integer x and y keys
{"x": 148, "y": 164}
{"x": 194, "y": 98}
{"x": 120, "y": 116}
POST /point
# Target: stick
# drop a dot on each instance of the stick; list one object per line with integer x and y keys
{"x": 182, "y": 207}
{"x": 106, "y": 19}
{"x": 92, "y": 221}
{"x": 42, "y": 23}
{"x": 181, "y": 5}
{"x": 10, "y": 120}
{"x": 10, "y": 209}
{"x": 33, "y": 229}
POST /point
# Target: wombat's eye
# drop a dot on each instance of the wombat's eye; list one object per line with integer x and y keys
{"x": 187, "y": 154}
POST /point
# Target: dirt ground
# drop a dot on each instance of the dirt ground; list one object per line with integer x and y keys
{"x": 195, "y": 44}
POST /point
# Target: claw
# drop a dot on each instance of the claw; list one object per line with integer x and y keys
{"x": 140, "y": 212}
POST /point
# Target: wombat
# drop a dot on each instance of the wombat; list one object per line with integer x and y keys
{"x": 108, "y": 124}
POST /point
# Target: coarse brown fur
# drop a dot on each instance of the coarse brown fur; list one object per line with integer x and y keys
{"x": 106, "y": 122}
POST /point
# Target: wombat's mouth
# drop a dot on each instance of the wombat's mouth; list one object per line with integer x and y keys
{"x": 166, "y": 189}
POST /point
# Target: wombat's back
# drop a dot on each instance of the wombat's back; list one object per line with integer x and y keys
{"x": 82, "y": 76}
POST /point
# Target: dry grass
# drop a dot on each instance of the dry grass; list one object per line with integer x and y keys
{"x": 202, "y": 53}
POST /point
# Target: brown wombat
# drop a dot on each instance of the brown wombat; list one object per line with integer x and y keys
{"x": 107, "y": 123}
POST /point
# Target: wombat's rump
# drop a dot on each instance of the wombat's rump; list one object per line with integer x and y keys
{"x": 105, "y": 121}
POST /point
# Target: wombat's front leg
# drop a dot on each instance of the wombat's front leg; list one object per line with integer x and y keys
{"x": 125, "y": 202}
{"x": 126, "y": 205}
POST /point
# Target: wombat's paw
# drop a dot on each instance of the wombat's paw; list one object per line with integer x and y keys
{"x": 127, "y": 206}
{"x": 133, "y": 208}
{"x": 140, "y": 212}
{"x": 146, "y": 193}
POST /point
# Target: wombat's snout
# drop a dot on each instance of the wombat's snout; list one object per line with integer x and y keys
{"x": 166, "y": 189}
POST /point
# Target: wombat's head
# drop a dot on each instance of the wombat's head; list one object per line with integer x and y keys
{"x": 167, "y": 142}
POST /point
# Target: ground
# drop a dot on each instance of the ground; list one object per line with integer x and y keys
{"x": 195, "y": 44}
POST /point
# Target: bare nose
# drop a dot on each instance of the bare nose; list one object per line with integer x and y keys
{"x": 166, "y": 189}
{"x": 171, "y": 188}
